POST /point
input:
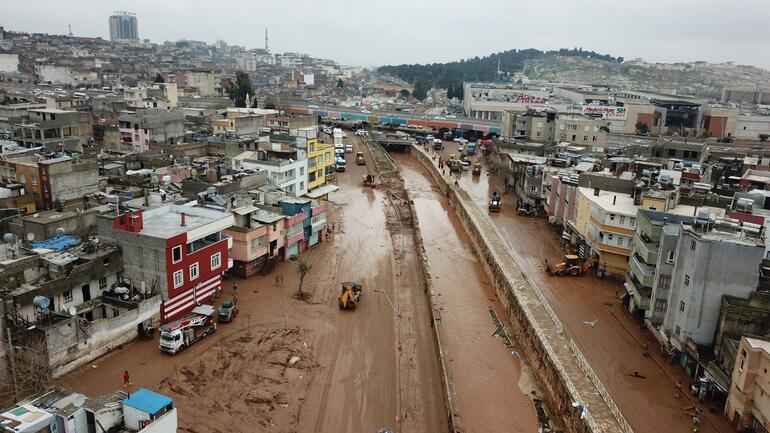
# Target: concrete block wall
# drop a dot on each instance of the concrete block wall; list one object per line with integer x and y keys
{"x": 534, "y": 325}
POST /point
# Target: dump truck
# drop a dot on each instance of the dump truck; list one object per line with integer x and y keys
{"x": 495, "y": 203}
{"x": 228, "y": 310}
{"x": 181, "y": 333}
{"x": 350, "y": 295}
{"x": 572, "y": 266}
{"x": 360, "y": 158}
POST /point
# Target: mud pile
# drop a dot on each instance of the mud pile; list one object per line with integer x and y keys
{"x": 247, "y": 382}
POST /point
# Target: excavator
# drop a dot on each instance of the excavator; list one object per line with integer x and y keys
{"x": 350, "y": 295}
{"x": 572, "y": 266}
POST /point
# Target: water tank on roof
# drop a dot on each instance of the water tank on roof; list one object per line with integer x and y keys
{"x": 9, "y": 238}
{"x": 5, "y": 192}
{"x": 211, "y": 190}
{"x": 41, "y": 302}
{"x": 744, "y": 205}
{"x": 166, "y": 179}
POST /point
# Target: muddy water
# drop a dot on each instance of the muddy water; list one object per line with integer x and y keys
{"x": 614, "y": 346}
{"x": 492, "y": 391}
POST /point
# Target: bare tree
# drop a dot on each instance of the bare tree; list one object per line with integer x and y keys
{"x": 303, "y": 268}
{"x": 30, "y": 365}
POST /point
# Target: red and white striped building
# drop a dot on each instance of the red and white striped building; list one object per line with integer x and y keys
{"x": 178, "y": 251}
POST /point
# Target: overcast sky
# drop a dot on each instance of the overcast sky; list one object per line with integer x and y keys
{"x": 367, "y": 33}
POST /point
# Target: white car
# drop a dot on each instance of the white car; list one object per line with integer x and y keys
{"x": 461, "y": 147}
{"x": 451, "y": 116}
{"x": 465, "y": 165}
{"x": 312, "y": 106}
{"x": 362, "y": 133}
{"x": 440, "y": 118}
{"x": 366, "y": 111}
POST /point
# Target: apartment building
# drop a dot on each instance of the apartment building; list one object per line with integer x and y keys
{"x": 52, "y": 129}
{"x": 607, "y": 221}
{"x": 137, "y": 130}
{"x": 178, "y": 251}
{"x": 320, "y": 157}
{"x": 700, "y": 276}
{"x": 258, "y": 239}
{"x": 748, "y": 402}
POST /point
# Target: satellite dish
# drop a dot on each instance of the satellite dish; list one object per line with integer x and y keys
{"x": 72, "y": 311}
{"x": 79, "y": 400}
{"x": 9, "y": 238}
{"x": 59, "y": 231}
{"x": 30, "y": 236}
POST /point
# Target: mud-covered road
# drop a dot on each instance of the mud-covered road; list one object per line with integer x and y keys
{"x": 353, "y": 374}
{"x": 493, "y": 388}
{"x": 614, "y": 346}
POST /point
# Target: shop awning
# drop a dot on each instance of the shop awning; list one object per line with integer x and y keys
{"x": 717, "y": 376}
{"x": 321, "y": 191}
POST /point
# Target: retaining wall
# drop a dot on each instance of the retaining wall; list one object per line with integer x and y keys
{"x": 536, "y": 328}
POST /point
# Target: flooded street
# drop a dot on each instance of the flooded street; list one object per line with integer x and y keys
{"x": 614, "y": 346}
{"x": 493, "y": 393}
{"x": 352, "y": 376}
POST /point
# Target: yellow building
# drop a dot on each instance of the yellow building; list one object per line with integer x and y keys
{"x": 319, "y": 157}
{"x": 607, "y": 220}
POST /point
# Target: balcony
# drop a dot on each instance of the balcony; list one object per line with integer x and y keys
{"x": 644, "y": 273}
{"x": 648, "y": 251}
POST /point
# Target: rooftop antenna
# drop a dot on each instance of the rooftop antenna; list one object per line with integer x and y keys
{"x": 70, "y": 28}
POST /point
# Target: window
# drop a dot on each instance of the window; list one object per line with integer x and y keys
{"x": 593, "y": 138}
{"x": 692, "y": 245}
{"x": 612, "y": 217}
{"x": 677, "y": 330}
{"x": 302, "y": 185}
{"x": 632, "y": 221}
{"x": 22, "y": 178}
{"x": 67, "y": 295}
{"x": 585, "y": 138}
{"x": 681, "y": 306}
{"x": 660, "y": 304}
{"x": 686, "y": 280}
{"x": 670, "y": 258}
{"x": 671, "y": 152}
{"x": 216, "y": 261}
{"x": 102, "y": 283}
{"x": 622, "y": 219}
{"x": 194, "y": 271}
{"x": 176, "y": 254}
{"x": 328, "y": 156}
{"x": 664, "y": 281}
{"x": 178, "y": 279}
{"x": 302, "y": 171}
{"x": 538, "y": 133}
{"x": 34, "y": 180}
{"x": 106, "y": 261}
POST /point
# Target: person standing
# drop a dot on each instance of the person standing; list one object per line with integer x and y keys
{"x": 126, "y": 379}
{"x": 678, "y": 389}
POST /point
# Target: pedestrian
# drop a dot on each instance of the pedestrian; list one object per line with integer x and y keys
{"x": 646, "y": 352}
{"x": 126, "y": 379}
{"x": 281, "y": 277}
{"x": 235, "y": 288}
{"x": 678, "y": 389}
{"x": 277, "y": 278}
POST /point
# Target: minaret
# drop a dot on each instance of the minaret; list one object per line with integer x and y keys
{"x": 70, "y": 27}
{"x": 266, "y": 48}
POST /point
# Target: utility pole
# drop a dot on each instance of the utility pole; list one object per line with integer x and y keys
{"x": 266, "y": 46}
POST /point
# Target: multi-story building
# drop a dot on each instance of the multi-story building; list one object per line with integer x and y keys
{"x": 284, "y": 123}
{"x": 582, "y": 131}
{"x": 700, "y": 276}
{"x": 748, "y": 402}
{"x": 69, "y": 297}
{"x": 178, "y": 251}
{"x": 158, "y": 95}
{"x": 305, "y": 222}
{"x": 52, "y": 129}
{"x": 607, "y": 221}
{"x": 137, "y": 130}
{"x": 123, "y": 27}
{"x": 257, "y": 239}
{"x": 53, "y": 182}
{"x": 202, "y": 81}
{"x": 487, "y": 101}
{"x": 320, "y": 157}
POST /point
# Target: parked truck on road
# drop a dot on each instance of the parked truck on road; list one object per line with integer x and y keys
{"x": 179, "y": 334}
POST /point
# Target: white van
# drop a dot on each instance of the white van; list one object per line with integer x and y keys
{"x": 348, "y": 148}
{"x": 340, "y": 164}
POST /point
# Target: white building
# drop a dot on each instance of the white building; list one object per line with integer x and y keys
{"x": 9, "y": 62}
{"x": 287, "y": 174}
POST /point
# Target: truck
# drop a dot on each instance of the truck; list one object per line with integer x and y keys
{"x": 181, "y": 333}
{"x": 470, "y": 149}
{"x": 438, "y": 144}
{"x": 228, "y": 310}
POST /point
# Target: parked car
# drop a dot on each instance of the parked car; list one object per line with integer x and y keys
{"x": 362, "y": 133}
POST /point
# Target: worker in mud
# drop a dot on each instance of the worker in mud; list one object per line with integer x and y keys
{"x": 645, "y": 351}
{"x": 126, "y": 379}
{"x": 678, "y": 389}
{"x": 235, "y": 288}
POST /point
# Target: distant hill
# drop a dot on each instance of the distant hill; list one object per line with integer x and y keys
{"x": 451, "y": 75}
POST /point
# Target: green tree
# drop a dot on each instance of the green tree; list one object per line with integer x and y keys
{"x": 340, "y": 83}
{"x": 641, "y": 128}
{"x": 270, "y": 103}
{"x": 764, "y": 137}
{"x": 450, "y": 92}
{"x": 421, "y": 87}
{"x": 404, "y": 93}
{"x": 238, "y": 90}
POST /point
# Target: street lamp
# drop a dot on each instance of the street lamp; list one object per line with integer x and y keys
{"x": 406, "y": 347}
